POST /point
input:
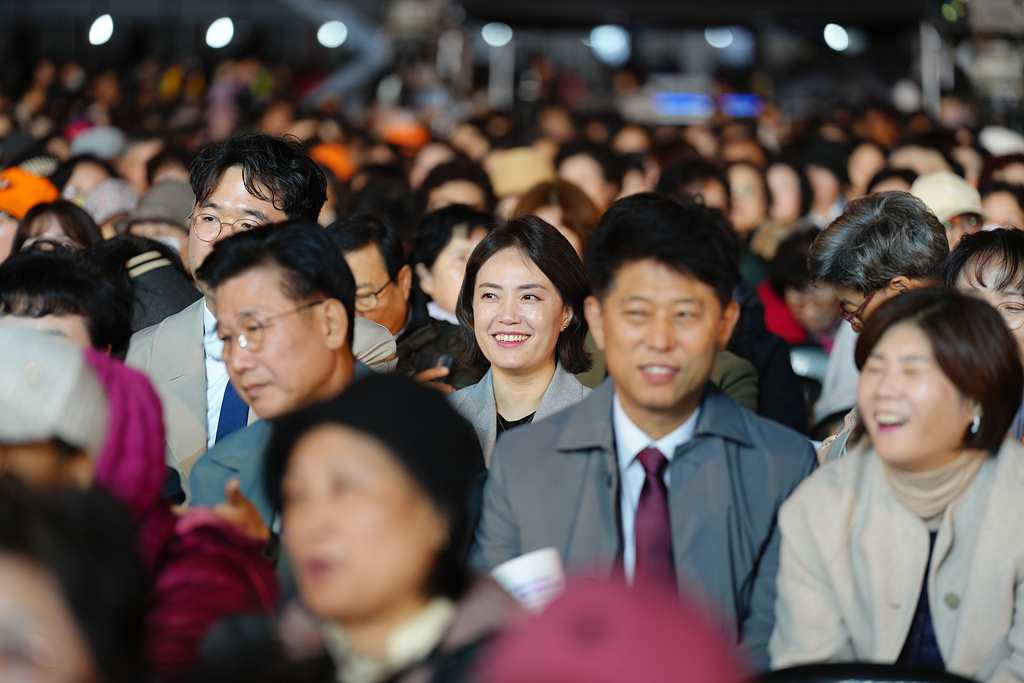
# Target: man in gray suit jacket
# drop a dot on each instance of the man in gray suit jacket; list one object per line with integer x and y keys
{"x": 657, "y": 476}
{"x": 285, "y": 314}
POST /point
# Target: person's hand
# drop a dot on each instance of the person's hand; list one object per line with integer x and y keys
{"x": 239, "y": 511}
{"x": 430, "y": 374}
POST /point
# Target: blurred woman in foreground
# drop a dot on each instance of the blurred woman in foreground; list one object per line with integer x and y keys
{"x": 907, "y": 551}
{"x": 373, "y": 488}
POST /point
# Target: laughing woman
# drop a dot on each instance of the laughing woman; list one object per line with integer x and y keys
{"x": 909, "y": 550}
{"x": 521, "y": 310}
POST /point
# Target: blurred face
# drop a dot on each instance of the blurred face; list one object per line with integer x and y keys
{"x": 362, "y": 537}
{"x": 864, "y": 163}
{"x": 894, "y": 184}
{"x": 815, "y": 307}
{"x": 1008, "y": 302}
{"x": 1012, "y": 173}
{"x": 133, "y": 164}
{"x": 297, "y": 362}
{"x": 714, "y": 195}
{"x": 749, "y": 203}
{"x": 443, "y": 281}
{"x": 958, "y": 226}
{"x": 914, "y": 414}
{"x": 70, "y": 327}
{"x": 784, "y": 184}
{"x": 518, "y": 314}
{"x": 8, "y": 227}
{"x": 457, "y": 192}
{"x": 41, "y": 466}
{"x": 371, "y": 275}
{"x": 174, "y": 237}
{"x": 660, "y": 331}
{"x": 429, "y": 157}
{"x": 824, "y": 185}
{"x": 42, "y": 641}
{"x": 48, "y": 228}
{"x": 230, "y": 202}
{"x": 84, "y": 177}
{"x": 1002, "y": 209}
{"x": 585, "y": 172}
{"x": 555, "y": 215}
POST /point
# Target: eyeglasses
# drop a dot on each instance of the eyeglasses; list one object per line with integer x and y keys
{"x": 253, "y": 330}
{"x": 850, "y": 317}
{"x": 208, "y": 227}
{"x": 368, "y": 302}
{"x": 1013, "y": 314}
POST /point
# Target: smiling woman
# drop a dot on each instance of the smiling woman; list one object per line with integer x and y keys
{"x": 521, "y": 311}
{"x": 941, "y": 381}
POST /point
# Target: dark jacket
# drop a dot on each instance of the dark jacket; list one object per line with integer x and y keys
{"x": 425, "y": 339}
{"x": 779, "y": 395}
{"x": 556, "y": 483}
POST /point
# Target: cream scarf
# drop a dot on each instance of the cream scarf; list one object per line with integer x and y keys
{"x": 928, "y": 494}
{"x": 408, "y": 644}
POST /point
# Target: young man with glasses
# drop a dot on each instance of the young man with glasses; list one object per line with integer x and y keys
{"x": 285, "y": 318}
{"x": 882, "y": 246}
{"x": 247, "y": 181}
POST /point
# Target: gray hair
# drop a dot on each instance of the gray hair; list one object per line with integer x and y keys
{"x": 877, "y": 238}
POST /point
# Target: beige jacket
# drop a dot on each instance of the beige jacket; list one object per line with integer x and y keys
{"x": 853, "y": 562}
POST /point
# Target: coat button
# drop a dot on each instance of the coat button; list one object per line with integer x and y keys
{"x": 952, "y": 601}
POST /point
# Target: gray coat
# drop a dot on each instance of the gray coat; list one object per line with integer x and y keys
{"x": 476, "y": 404}
{"x": 556, "y": 482}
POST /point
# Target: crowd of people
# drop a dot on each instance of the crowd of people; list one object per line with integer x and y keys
{"x": 278, "y": 391}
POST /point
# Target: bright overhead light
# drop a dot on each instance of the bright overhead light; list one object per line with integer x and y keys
{"x": 718, "y": 38}
{"x": 101, "y": 30}
{"x": 332, "y": 33}
{"x": 836, "y": 37}
{"x": 611, "y": 44}
{"x": 496, "y": 34}
{"x": 220, "y": 32}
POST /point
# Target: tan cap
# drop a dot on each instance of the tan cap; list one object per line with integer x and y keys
{"x": 947, "y": 195}
{"x": 518, "y": 170}
{"x": 48, "y": 391}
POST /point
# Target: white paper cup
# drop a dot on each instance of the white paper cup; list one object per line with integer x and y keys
{"x": 533, "y": 579}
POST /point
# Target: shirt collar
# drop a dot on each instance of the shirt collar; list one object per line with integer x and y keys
{"x": 630, "y": 439}
{"x": 211, "y": 343}
{"x": 438, "y": 313}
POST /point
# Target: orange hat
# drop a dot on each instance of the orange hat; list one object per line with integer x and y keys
{"x": 20, "y": 191}
{"x": 334, "y": 156}
{"x": 408, "y": 135}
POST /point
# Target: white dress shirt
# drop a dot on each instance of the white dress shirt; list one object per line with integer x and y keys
{"x": 438, "y": 313}
{"x": 629, "y": 441}
{"x": 216, "y": 375}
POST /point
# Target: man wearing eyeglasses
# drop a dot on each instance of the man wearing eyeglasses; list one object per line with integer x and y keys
{"x": 882, "y": 246}
{"x": 245, "y": 182}
{"x": 285, "y": 315}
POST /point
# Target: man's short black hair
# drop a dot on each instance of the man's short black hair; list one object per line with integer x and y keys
{"x": 355, "y": 232}
{"x": 310, "y": 261}
{"x": 436, "y": 229}
{"x": 460, "y": 169}
{"x": 276, "y": 170}
{"x": 612, "y": 165}
{"x": 887, "y": 173}
{"x": 684, "y": 235}
{"x": 789, "y": 267}
{"x": 685, "y": 178}
{"x": 36, "y": 283}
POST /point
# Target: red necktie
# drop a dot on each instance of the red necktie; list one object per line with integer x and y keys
{"x": 653, "y": 527}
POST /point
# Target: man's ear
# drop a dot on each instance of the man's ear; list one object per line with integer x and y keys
{"x": 426, "y": 279}
{"x": 593, "y": 311}
{"x": 334, "y": 319}
{"x": 901, "y": 284}
{"x": 405, "y": 281}
{"x": 730, "y": 316}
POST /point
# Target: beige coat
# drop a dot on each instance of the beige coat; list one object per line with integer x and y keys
{"x": 853, "y": 562}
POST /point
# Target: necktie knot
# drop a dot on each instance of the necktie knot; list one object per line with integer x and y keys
{"x": 654, "y": 462}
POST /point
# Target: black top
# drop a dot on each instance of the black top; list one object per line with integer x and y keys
{"x": 505, "y": 425}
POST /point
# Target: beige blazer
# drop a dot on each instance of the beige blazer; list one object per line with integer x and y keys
{"x": 171, "y": 354}
{"x": 853, "y": 562}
